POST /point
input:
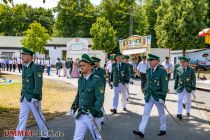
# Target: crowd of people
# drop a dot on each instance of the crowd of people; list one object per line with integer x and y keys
{"x": 64, "y": 68}
{"x": 88, "y": 105}
{"x": 10, "y": 64}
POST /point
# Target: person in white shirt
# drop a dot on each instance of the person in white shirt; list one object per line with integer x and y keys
{"x": 1, "y": 64}
{"x": 109, "y": 69}
{"x": 19, "y": 62}
{"x": 48, "y": 64}
{"x": 14, "y": 64}
{"x": 168, "y": 66}
{"x": 10, "y": 64}
{"x": 142, "y": 68}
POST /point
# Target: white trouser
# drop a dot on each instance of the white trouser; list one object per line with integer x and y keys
{"x": 147, "y": 109}
{"x": 185, "y": 100}
{"x": 25, "y": 108}
{"x": 120, "y": 88}
{"x": 181, "y": 96}
{"x": 127, "y": 90}
{"x": 68, "y": 72}
{"x": 59, "y": 72}
{"x": 83, "y": 123}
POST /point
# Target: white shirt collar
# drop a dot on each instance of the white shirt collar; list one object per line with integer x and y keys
{"x": 154, "y": 68}
{"x": 26, "y": 65}
{"x": 87, "y": 77}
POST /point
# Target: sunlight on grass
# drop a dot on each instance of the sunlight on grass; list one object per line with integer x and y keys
{"x": 57, "y": 99}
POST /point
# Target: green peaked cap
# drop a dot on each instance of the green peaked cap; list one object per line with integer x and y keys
{"x": 118, "y": 54}
{"x": 112, "y": 57}
{"x": 95, "y": 59}
{"x": 183, "y": 58}
{"x": 87, "y": 59}
{"x": 153, "y": 57}
{"x": 27, "y": 51}
{"x": 126, "y": 57}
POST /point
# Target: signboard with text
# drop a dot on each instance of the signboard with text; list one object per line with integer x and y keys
{"x": 77, "y": 44}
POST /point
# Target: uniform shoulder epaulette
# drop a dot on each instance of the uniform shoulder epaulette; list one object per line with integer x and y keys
{"x": 96, "y": 76}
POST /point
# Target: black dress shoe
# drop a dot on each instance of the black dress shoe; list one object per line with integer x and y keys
{"x": 188, "y": 115}
{"x": 162, "y": 133}
{"x": 140, "y": 134}
{"x": 179, "y": 116}
{"x": 42, "y": 138}
{"x": 113, "y": 110}
{"x": 183, "y": 105}
{"x": 124, "y": 109}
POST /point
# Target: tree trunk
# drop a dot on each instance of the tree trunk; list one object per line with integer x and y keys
{"x": 184, "y": 52}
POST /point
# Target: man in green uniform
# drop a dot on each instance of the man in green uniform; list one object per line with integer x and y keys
{"x": 31, "y": 95}
{"x": 89, "y": 101}
{"x": 126, "y": 60}
{"x": 120, "y": 77}
{"x": 175, "y": 70}
{"x": 59, "y": 66}
{"x": 155, "y": 93}
{"x": 109, "y": 69}
{"x": 98, "y": 71}
{"x": 68, "y": 65}
{"x": 184, "y": 85}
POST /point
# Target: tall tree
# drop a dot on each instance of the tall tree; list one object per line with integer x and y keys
{"x": 118, "y": 14}
{"x": 15, "y": 20}
{"x": 36, "y": 37}
{"x": 74, "y": 18}
{"x": 103, "y": 35}
{"x": 6, "y": 23}
{"x": 178, "y": 23}
{"x": 151, "y": 16}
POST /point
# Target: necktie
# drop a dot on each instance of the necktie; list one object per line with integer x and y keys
{"x": 119, "y": 67}
{"x": 152, "y": 71}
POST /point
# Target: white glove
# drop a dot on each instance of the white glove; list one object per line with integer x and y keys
{"x": 71, "y": 112}
{"x": 33, "y": 100}
{"x": 161, "y": 101}
{"x": 193, "y": 93}
{"x": 112, "y": 83}
{"x": 131, "y": 80}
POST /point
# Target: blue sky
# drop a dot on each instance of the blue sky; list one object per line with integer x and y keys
{"x": 48, "y": 3}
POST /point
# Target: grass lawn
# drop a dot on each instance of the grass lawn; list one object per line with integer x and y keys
{"x": 56, "y": 101}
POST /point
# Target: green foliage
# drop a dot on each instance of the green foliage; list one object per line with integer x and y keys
{"x": 103, "y": 35}
{"x": 178, "y": 23}
{"x": 117, "y": 12}
{"x": 35, "y": 37}
{"x": 74, "y": 18}
{"x": 15, "y": 20}
{"x": 151, "y": 17}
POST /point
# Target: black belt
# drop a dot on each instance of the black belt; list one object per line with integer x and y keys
{"x": 142, "y": 73}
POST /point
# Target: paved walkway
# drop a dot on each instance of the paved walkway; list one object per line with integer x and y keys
{"x": 120, "y": 125}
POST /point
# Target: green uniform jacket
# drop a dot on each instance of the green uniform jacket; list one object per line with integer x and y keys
{"x": 100, "y": 73}
{"x": 185, "y": 80}
{"x": 68, "y": 64}
{"x": 157, "y": 84}
{"x": 175, "y": 70}
{"x": 120, "y": 76}
{"x": 131, "y": 70}
{"x": 58, "y": 65}
{"x": 32, "y": 80}
{"x": 90, "y": 96}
